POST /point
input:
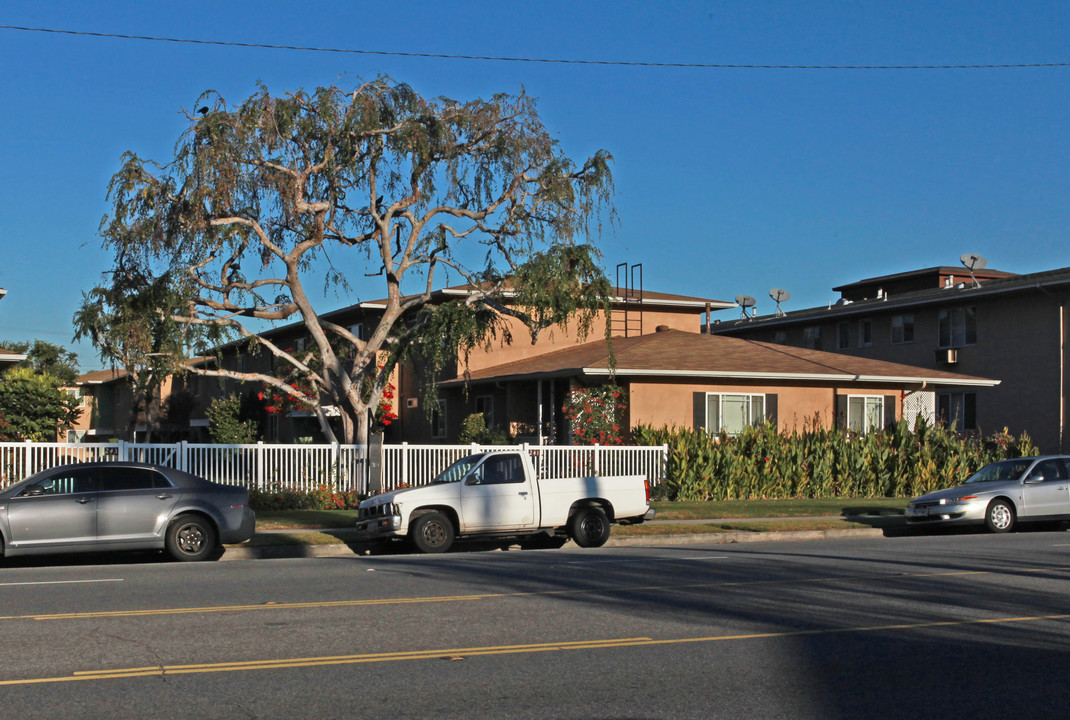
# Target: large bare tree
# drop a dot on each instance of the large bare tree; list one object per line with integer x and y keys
{"x": 267, "y": 202}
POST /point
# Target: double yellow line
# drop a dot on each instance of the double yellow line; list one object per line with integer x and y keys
{"x": 464, "y": 653}
{"x": 448, "y": 654}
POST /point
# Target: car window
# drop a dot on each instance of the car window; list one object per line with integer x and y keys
{"x": 500, "y": 470}
{"x": 1001, "y": 471}
{"x": 130, "y": 478}
{"x": 63, "y": 482}
{"x": 1051, "y": 470}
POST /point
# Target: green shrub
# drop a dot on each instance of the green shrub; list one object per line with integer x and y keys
{"x": 324, "y": 497}
{"x": 821, "y": 462}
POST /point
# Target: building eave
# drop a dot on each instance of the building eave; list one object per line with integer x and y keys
{"x": 793, "y": 377}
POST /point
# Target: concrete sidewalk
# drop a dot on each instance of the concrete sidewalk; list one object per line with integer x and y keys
{"x": 342, "y": 549}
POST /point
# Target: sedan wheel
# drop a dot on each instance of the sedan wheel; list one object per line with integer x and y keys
{"x": 999, "y": 518}
{"x": 190, "y": 538}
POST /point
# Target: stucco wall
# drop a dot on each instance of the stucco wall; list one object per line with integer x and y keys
{"x": 661, "y": 404}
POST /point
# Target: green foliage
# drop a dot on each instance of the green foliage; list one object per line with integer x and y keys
{"x": 822, "y": 462}
{"x": 47, "y": 358}
{"x": 232, "y": 421}
{"x": 277, "y": 194}
{"x": 474, "y": 430}
{"x": 33, "y": 407}
{"x": 596, "y": 415}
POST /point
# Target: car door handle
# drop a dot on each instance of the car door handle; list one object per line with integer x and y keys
{"x": 522, "y": 492}
{"x": 163, "y": 496}
{"x": 84, "y": 501}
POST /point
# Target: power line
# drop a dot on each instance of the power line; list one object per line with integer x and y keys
{"x": 560, "y": 61}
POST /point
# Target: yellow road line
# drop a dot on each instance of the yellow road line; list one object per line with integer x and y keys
{"x": 463, "y": 653}
{"x": 489, "y": 596}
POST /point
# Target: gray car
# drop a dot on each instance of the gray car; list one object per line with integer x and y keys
{"x": 122, "y": 506}
{"x": 1000, "y": 495}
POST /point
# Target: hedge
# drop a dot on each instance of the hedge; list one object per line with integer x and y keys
{"x": 819, "y": 462}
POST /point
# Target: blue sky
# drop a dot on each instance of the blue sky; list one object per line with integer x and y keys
{"x": 729, "y": 181}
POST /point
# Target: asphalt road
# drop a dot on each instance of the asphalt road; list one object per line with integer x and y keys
{"x": 971, "y": 626}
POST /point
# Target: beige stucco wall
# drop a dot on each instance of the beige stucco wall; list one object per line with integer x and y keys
{"x": 666, "y": 403}
{"x": 557, "y": 338}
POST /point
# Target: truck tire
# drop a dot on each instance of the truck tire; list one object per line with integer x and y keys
{"x": 589, "y": 527}
{"x": 432, "y": 533}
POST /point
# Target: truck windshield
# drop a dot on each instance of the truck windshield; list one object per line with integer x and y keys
{"x": 457, "y": 470}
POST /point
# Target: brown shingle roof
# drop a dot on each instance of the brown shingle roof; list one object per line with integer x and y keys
{"x": 100, "y": 376}
{"x": 674, "y": 353}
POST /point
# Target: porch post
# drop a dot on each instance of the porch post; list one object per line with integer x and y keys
{"x": 539, "y": 413}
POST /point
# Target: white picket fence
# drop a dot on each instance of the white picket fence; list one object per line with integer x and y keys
{"x": 306, "y": 467}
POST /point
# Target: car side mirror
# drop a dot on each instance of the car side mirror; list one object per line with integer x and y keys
{"x": 1033, "y": 479}
{"x": 471, "y": 480}
{"x": 34, "y": 491}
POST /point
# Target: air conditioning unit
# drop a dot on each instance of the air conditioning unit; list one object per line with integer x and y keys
{"x": 948, "y": 356}
{"x": 412, "y": 402}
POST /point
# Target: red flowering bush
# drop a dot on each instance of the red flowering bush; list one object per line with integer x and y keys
{"x": 597, "y": 415}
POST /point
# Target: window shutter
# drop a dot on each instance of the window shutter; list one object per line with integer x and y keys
{"x": 699, "y": 403}
{"x": 771, "y": 408}
{"x": 889, "y": 412}
{"x": 841, "y": 412}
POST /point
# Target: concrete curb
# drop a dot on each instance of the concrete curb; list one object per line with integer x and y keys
{"x": 342, "y": 550}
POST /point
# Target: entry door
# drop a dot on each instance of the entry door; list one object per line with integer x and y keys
{"x": 498, "y": 495}
{"x": 1049, "y": 496}
{"x": 58, "y": 510}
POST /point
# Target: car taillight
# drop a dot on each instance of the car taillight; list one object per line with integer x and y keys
{"x": 646, "y": 484}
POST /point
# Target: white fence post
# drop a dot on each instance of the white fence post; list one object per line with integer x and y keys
{"x": 301, "y": 467}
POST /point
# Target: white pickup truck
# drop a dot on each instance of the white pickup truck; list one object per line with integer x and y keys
{"x": 498, "y": 494}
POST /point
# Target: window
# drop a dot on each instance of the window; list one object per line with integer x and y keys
{"x": 121, "y": 478}
{"x": 865, "y": 413}
{"x": 865, "y": 333}
{"x": 843, "y": 336}
{"x": 1048, "y": 471}
{"x": 780, "y": 337}
{"x": 500, "y": 469}
{"x": 902, "y": 329}
{"x": 958, "y": 327}
{"x": 958, "y": 410}
{"x": 357, "y": 330}
{"x": 438, "y": 419}
{"x": 732, "y": 413}
{"x": 485, "y": 406}
{"x": 812, "y": 338}
{"x": 64, "y": 482}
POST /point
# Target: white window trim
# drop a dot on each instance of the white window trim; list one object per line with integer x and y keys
{"x": 880, "y": 421}
{"x": 712, "y": 429}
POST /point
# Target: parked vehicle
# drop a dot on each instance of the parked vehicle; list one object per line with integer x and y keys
{"x": 122, "y": 506}
{"x": 498, "y": 494}
{"x": 1000, "y": 495}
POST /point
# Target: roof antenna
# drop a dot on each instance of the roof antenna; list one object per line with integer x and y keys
{"x": 779, "y": 296}
{"x": 745, "y": 301}
{"x": 973, "y": 261}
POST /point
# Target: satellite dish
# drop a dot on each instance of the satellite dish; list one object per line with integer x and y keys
{"x": 779, "y": 296}
{"x": 745, "y": 301}
{"x": 973, "y": 261}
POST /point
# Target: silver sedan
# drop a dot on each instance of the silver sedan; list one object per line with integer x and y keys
{"x": 122, "y": 506}
{"x": 1000, "y": 495}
